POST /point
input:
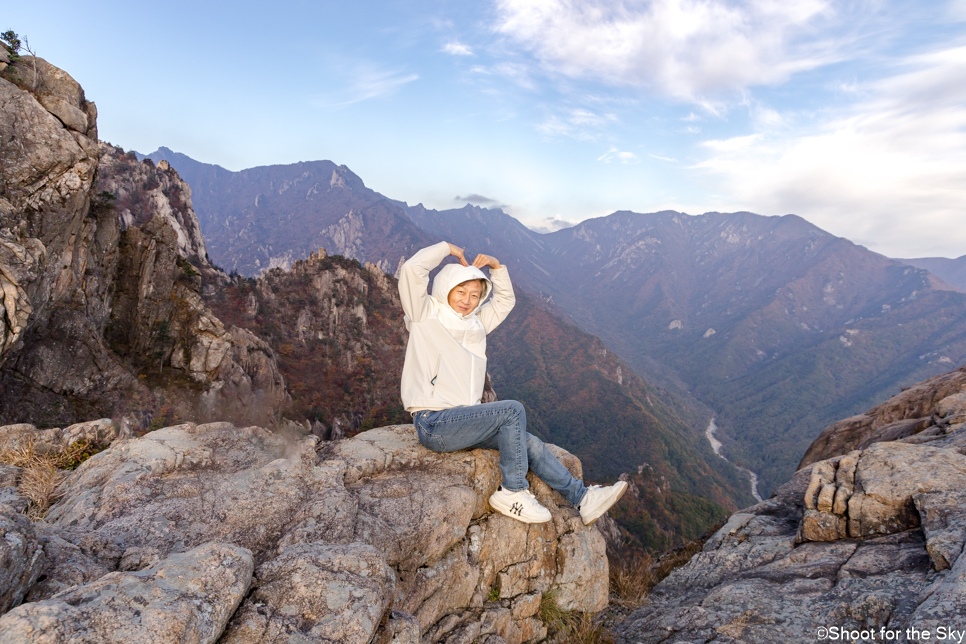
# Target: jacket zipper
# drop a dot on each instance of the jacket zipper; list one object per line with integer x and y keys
{"x": 439, "y": 357}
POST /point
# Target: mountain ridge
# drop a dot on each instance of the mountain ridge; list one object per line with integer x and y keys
{"x": 953, "y": 271}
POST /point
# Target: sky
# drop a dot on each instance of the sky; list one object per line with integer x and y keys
{"x": 849, "y": 114}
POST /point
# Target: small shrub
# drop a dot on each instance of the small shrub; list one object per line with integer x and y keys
{"x": 164, "y": 418}
{"x": 550, "y": 613}
{"x": 494, "y": 595}
{"x": 13, "y": 42}
{"x": 77, "y": 453}
{"x": 583, "y": 628}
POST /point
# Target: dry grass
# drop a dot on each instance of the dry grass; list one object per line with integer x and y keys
{"x": 632, "y": 577}
{"x": 572, "y": 627}
{"x": 634, "y": 573}
{"x": 43, "y": 472}
{"x": 582, "y": 628}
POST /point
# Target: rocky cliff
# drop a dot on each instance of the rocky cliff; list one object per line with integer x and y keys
{"x": 868, "y": 541}
{"x": 204, "y": 533}
{"x": 336, "y": 327}
{"x": 100, "y": 259}
{"x": 917, "y": 410}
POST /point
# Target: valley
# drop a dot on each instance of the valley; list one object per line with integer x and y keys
{"x": 770, "y": 324}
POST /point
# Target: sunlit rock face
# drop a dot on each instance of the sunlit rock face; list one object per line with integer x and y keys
{"x": 238, "y": 533}
{"x": 102, "y": 263}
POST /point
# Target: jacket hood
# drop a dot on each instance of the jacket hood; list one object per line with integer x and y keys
{"x": 452, "y": 275}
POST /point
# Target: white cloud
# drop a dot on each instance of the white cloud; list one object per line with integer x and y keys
{"x": 457, "y": 49}
{"x": 888, "y": 172}
{"x": 578, "y": 123}
{"x": 687, "y": 49}
{"x": 550, "y": 225}
{"x": 613, "y": 154}
{"x": 367, "y": 83}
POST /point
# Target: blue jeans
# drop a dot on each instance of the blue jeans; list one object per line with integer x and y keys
{"x": 502, "y": 426}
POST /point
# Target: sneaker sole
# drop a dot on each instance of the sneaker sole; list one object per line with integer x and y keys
{"x": 604, "y": 511}
{"x": 505, "y": 511}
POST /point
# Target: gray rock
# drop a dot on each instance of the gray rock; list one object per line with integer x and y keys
{"x": 316, "y": 593}
{"x": 95, "y": 432}
{"x": 21, "y": 557}
{"x": 944, "y": 524}
{"x": 186, "y": 599}
{"x": 424, "y": 514}
{"x": 867, "y": 539}
{"x": 179, "y": 487}
{"x": 95, "y": 282}
{"x": 9, "y": 475}
{"x": 944, "y": 604}
{"x": 907, "y": 413}
{"x": 11, "y": 497}
{"x": 72, "y": 117}
{"x": 65, "y": 566}
{"x": 400, "y": 628}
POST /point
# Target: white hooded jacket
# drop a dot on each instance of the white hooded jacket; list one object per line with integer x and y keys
{"x": 446, "y": 355}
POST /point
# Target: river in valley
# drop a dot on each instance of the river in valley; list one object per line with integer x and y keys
{"x": 716, "y": 446}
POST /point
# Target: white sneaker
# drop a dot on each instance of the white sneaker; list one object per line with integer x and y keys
{"x": 522, "y": 506}
{"x": 599, "y": 500}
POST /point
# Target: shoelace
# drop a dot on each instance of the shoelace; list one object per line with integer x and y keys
{"x": 592, "y": 487}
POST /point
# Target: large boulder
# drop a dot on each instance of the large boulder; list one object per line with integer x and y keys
{"x": 914, "y": 410}
{"x": 186, "y": 599}
{"x": 182, "y": 486}
{"x": 316, "y": 593}
{"x": 754, "y": 582}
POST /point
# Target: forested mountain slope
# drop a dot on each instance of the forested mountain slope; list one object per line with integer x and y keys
{"x": 775, "y": 324}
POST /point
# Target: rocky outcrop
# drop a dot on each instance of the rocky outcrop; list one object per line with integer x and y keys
{"x": 337, "y": 329}
{"x": 868, "y": 540}
{"x": 98, "y": 433}
{"x": 142, "y": 191}
{"x": 915, "y": 410}
{"x": 21, "y": 557}
{"x": 371, "y": 537}
{"x": 185, "y": 599}
{"x": 316, "y": 592}
{"x": 101, "y": 312}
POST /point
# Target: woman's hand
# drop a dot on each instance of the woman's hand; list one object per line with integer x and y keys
{"x": 457, "y": 252}
{"x": 486, "y": 260}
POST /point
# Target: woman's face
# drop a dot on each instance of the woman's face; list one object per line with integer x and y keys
{"x": 465, "y": 297}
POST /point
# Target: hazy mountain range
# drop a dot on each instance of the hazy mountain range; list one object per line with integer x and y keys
{"x": 951, "y": 270}
{"x": 776, "y": 326}
{"x": 271, "y": 216}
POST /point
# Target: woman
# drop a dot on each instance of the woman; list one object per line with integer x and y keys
{"x": 444, "y": 372}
